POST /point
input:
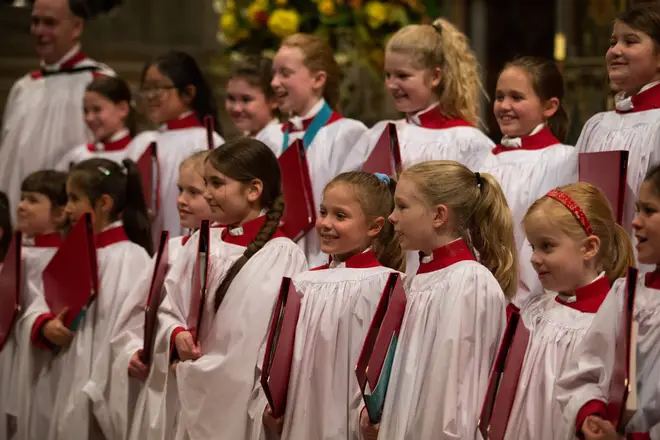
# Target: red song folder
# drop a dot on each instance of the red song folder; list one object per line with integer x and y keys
{"x": 208, "y": 123}
{"x": 276, "y": 368}
{"x": 374, "y": 365}
{"x": 200, "y": 275}
{"x": 386, "y": 155}
{"x": 622, "y": 401}
{"x": 607, "y": 171}
{"x": 11, "y": 283}
{"x": 155, "y": 297}
{"x": 149, "y": 170}
{"x": 299, "y": 210}
{"x": 71, "y": 277}
{"x": 503, "y": 382}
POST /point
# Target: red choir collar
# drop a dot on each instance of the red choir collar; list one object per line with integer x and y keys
{"x": 67, "y": 65}
{"x": 363, "y": 260}
{"x": 538, "y": 141}
{"x": 433, "y": 118}
{"x": 652, "y": 279}
{"x": 306, "y": 122}
{"x": 445, "y": 256}
{"x": 649, "y": 99}
{"x": 245, "y": 234}
{"x": 189, "y": 121}
{"x": 588, "y": 298}
{"x": 116, "y": 145}
{"x": 110, "y": 236}
{"x": 50, "y": 240}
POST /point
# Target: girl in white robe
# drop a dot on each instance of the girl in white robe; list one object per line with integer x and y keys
{"x": 635, "y": 124}
{"x": 107, "y": 190}
{"x": 338, "y": 303}
{"x": 455, "y": 311}
{"x": 217, "y": 376}
{"x": 578, "y": 250}
{"x": 250, "y": 100}
{"x": 117, "y": 391}
{"x": 531, "y": 159}
{"x": 442, "y": 113}
{"x": 178, "y": 98}
{"x": 583, "y": 388}
{"x": 306, "y": 85}
{"x": 111, "y": 118}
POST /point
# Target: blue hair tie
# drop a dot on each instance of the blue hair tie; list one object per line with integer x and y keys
{"x": 384, "y": 177}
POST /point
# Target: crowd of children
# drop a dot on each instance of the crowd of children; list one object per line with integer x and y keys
{"x": 482, "y": 235}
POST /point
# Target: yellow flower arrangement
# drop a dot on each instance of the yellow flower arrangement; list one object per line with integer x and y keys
{"x": 327, "y": 7}
{"x": 284, "y": 22}
{"x": 377, "y": 14}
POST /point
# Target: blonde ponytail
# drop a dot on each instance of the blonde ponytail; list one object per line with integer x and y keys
{"x": 617, "y": 267}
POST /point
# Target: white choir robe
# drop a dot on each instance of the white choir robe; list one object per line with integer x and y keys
{"x": 582, "y": 389}
{"x": 455, "y": 317}
{"x": 337, "y": 307}
{"x": 15, "y": 357}
{"x": 526, "y": 172}
{"x": 327, "y": 156}
{"x": 177, "y": 140}
{"x": 119, "y": 147}
{"x": 634, "y": 126}
{"x": 120, "y": 263}
{"x": 262, "y": 136}
{"x": 43, "y": 119}
{"x": 556, "y": 327}
{"x": 113, "y": 392}
{"x": 216, "y": 391}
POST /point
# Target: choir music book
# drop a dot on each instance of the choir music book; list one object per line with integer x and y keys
{"x": 374, "y": 365}
{"x": 155, "y": 297}
{"x": 71, "y": 277}
{"x": 607, "y": 171}
{"x": 299, "y": 208}
{"x": 11, "y": 284}
{"x": 622, "y": 401}
{"x": 276, "y": 368}
{"x": 200, "y": 276}
{"x": 149, "y": 170}
{"x": 503, "y": 382}
{"x": 208, "y": 123}
{"x": 386, "y": 155}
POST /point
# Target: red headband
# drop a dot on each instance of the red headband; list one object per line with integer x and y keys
{"x": 569, "y": 203}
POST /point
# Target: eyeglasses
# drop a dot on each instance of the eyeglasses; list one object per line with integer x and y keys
{"x": 155, "y": 91}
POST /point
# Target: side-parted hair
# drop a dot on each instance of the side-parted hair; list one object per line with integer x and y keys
{"x": 644, "y": 17}
{"x": 50, "y": 183}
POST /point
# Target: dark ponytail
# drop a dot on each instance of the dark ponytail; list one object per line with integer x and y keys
{"x": 5, "y": 225}
{"x": 95, "y": 177}
{"x": 116, "y": 90}
{"x": 246, "y": 159}
{"x": 182, "y": 69}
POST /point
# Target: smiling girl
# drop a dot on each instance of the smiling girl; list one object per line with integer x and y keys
{"x": 633, "y": 66}
{"x": 306, "y": 86}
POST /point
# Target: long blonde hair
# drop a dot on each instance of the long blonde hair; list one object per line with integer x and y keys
{"x": 616, "y": 252}
{"x": 442, "y": 45}
{"x": 483, "y": 217}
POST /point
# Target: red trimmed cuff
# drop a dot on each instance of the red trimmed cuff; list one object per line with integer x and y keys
{"x": 588, "y": 409}
{"x": 639, "y": 436}
{"x": 173, "y": 353}
{"x": 36, "y": 336}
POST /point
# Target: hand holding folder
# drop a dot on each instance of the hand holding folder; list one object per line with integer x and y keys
{"x": 71, "y": 278}
{"x": 276, "y": 367}
{"x": 607, "y": 171}
{"x": 386, "y": 155}
{"x": 200, "y": 275}
{"x": 299, "y": 208}
{"x": 154, "y": 298}
{"x": 375, "y": 362}
{"x": 11, "y": 284}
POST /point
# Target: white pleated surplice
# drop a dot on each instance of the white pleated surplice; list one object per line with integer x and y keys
{"x": 337, "y": 307}
{"x": 455, "y": 318}
{"x": 43, "y": 119}
{"x": 587, "y": 377}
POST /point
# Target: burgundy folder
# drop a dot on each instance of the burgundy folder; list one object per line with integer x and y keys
{"x": 200, "y": 275}
{"x": 386, "y": 155}
{"x": 375, "y": 362}
{"x": 71, "y": 278}
{"x": 155, "y": 297}
{"x": 11, "y": 284}
{"x": 208, "y": 123}
{"x": 149, "y": 170}
{"x": 503, "y": 382}
{"x": 299, "y": 210}
{"x": 276, "y": 368}
{"x": 622, "y": 401}
{"x": 607, "y": 171}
